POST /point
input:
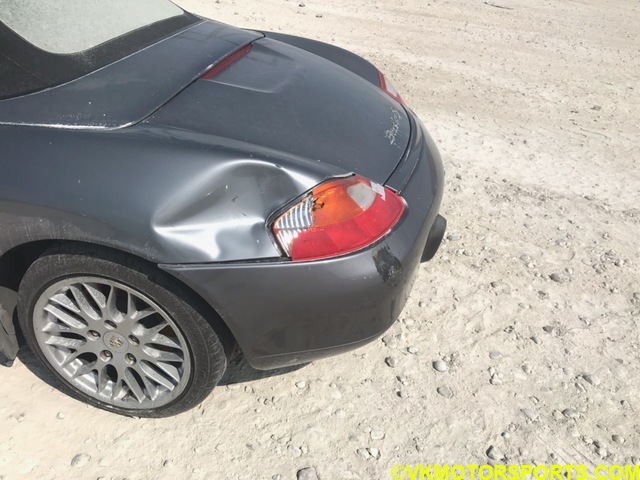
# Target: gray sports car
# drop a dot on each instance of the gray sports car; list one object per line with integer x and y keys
{"x": 171, "y": 187}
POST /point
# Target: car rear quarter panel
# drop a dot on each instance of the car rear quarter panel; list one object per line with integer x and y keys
{"x": 168, "y": 196}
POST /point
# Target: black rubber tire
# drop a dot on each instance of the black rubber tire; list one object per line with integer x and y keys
{"x": 208, "y": 358}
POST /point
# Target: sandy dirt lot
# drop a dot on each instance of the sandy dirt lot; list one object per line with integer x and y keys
{"x": 532, "y": 306}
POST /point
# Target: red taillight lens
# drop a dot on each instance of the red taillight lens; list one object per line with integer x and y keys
{"x": 388, "y": 88}
{"x": 226, "y": 63}
{"x": 338, "y": 217}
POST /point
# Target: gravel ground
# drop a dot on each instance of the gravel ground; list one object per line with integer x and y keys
{"x": 520, "y": 341}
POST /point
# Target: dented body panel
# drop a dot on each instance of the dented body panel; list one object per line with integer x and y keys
{"x": 166, "y": 195}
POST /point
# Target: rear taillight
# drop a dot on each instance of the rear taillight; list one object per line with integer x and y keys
{"x": 338, "y": 217}
{"x": 226, "y": 62}
{"x": 388, "y": 88}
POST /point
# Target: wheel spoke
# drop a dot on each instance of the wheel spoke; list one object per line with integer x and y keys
{"x": 102, "y": 379}
{"x": 87, "y": 310}
{"x": 72, "y": 343}
{"x": 84, "y": 369}
{"x": 134, "y": 387}
{"x": 156, "y": 376}
{"x": 170, "y": 370}
{"x": 64, "y": 301}
{"x": 63, "y": 316}
{"x": 144, "y": 313}
{"x": 57, "y": 329}
{"x": 96, "y": 294}
{"x": 72, "y": 357}
{"x": 111, "y": 309}
{"x": 151, "y": 388}
{"x": 131, "y": 306}
{"x": 159, "y": 339}
{"x": 157, "y": 355}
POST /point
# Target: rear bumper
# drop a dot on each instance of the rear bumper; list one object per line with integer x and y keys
{"x": 285, "y": 313}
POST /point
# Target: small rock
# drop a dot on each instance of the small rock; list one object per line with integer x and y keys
{"x": 445, "y": 392}
{"x": 60, "y": 416}
{"x": 374, "y": 452}
{"x": 308, "y": 473}
{"x": 495, "y": 355}
{"x": 548, "y": 328}
{"x": 526, "y": 369}
{"x": 301, "y": 384}
{"x": 413, "y": 350}
{"x": 556, "y": 278}
{"x": 301, "y": 5}
{"x": 596, "y": 108}
{"x": 390, "y": 341}
{"x": 277, "y": 477}
{"x": 294, "y": 451}
{"x": 454, "y": 237}
{"x": 167, "y": 463}
{"x": 319, "y": 15}
{"x": 529, "y": 414}
{"x": 602, "y": 452}
{"x": 376, "y": 435}
{"x": 591, "y": 379}
{"x": 363, "y": 452}
{"x": 536, "y": 340}
{"x": 494, "y": 453}
{"x": 618, "y": 439}
{"x": 573, "y": 431}
{"x": 570, "y": 413}
{"x": 440, "y": 366}
{"x": 340, "y": 413}
{"x": 557, "y": 415}
{"x": 391, "y": 362}
{"x": 80, "y": 460}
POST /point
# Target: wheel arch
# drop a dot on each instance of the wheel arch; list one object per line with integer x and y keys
{"x": 16, "y": 261}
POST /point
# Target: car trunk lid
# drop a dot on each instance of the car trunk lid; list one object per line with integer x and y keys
{"x": 285, "y": 99}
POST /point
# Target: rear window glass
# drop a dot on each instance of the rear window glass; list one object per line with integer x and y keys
{"x": 70, "y": 26}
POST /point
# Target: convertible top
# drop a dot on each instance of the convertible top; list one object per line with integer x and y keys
{"x": 121, "y": 93}
{"x": 25, "y": 68}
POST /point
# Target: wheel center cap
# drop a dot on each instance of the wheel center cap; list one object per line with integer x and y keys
{"x": 116, "y": 342}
